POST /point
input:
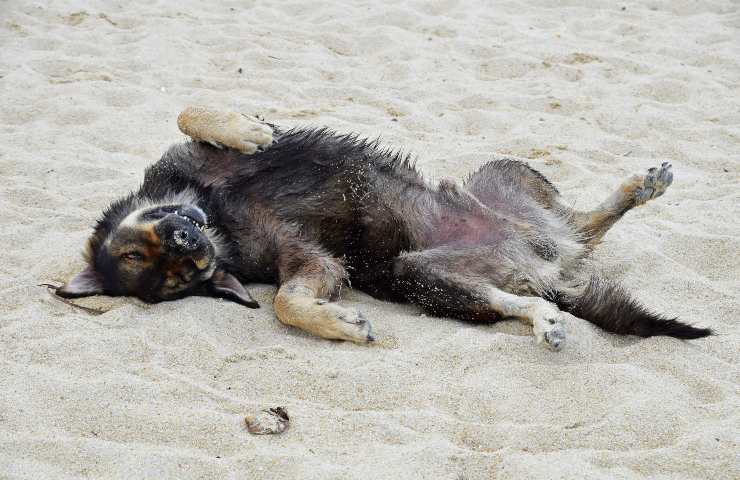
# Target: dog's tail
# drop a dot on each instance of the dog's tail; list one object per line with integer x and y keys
{"x": 609, "y": 306}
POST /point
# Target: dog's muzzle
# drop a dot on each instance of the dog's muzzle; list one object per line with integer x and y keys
{"x": 182, "y": 234}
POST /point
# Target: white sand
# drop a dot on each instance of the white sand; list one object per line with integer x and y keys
{"x": 590, "y": 92}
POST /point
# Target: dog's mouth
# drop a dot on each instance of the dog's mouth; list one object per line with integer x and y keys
{"x": 191, "y": 213}
{"x": 194, "y": 216}
{"x": 201, "y": 257}
{"x": 182, "y": 230}
{"x": 201, "y": 262}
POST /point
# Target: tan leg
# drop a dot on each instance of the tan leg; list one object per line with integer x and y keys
{"x": 302, "y": 302}
{"x": 225, "y": 129}
{"x": 541, "y": 314}
{"x": 635, "y": 191}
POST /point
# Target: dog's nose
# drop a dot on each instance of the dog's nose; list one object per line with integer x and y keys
{"x": 185, "y": 240}
{"x": 180, "y": 235}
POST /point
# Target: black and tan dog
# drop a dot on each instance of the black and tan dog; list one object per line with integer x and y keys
{"x": 308, "y": 209}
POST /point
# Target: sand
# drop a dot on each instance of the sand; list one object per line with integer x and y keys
{"x": 589, "y": 91}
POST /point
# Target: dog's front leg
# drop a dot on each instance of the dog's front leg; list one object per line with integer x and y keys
{"x": 303, "y": 301}
{"x": 225, "y": 129}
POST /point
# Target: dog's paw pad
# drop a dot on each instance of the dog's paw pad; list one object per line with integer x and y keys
{"x": 654, "y": 183}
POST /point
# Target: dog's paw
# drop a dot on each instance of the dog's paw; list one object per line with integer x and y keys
{"x": 244, "y": 133}
{"x": 555, "y": 337}
{"x": 548, "y": 329}
{"x": 247, "y": 134}
{"x": 652, "y": 184}
{"x": 348, "y": 324}
{"x": 321, "y": 317}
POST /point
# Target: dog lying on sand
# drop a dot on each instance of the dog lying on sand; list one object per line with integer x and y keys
{"x": 310, "y": 210}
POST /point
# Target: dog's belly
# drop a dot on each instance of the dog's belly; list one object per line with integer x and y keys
{"x": 465, "y": 229}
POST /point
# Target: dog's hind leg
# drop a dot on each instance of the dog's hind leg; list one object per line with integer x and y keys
{"x": 225, "y": 129}
{"x": 486, "y": 183}
{"x": 437, "y": 281}
{"x": 633, "y": 192}
{"x": 494, "y": 179}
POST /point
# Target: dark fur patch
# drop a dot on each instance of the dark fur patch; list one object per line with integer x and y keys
{"x": 110, "y": 218}
{"x": 609, "y": 306}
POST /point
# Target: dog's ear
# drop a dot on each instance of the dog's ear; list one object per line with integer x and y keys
{"x": 224, "y": 285}
{"x": 84, "y": 284}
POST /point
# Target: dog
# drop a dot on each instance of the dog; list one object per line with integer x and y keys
{"x": 310, "y": 210}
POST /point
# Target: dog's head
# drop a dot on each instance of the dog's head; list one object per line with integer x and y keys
{"x": 156, "y": 251}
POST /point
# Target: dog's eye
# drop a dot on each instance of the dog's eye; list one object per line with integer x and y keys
{"x": 133, "y": 256}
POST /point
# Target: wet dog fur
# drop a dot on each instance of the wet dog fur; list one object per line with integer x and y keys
{"x": 310, "y": 210}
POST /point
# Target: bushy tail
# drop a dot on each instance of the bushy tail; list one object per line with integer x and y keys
{"x": 609, "y": 306}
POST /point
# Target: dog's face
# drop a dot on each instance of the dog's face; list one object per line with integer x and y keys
{"x": 156, "y": 252}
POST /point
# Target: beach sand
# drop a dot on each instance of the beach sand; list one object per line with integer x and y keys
{"x": 589, "y": 91}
